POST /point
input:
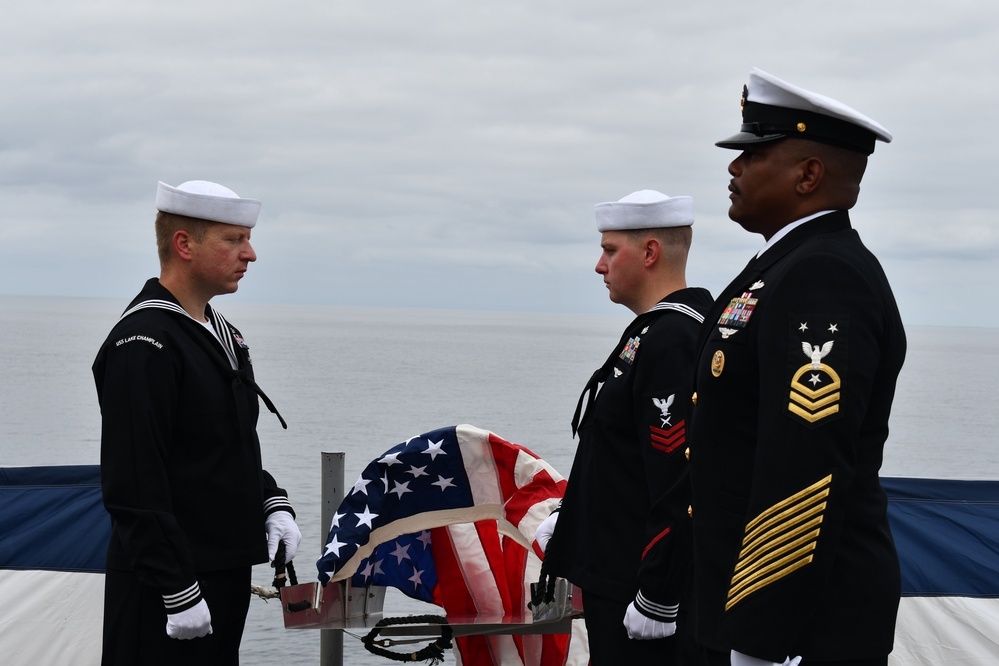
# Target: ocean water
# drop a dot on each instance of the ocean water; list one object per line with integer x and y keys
{"x": 362, "y": 380}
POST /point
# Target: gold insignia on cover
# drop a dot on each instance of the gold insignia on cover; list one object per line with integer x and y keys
{"x": 717, "y": 363}
{"x": 821, "y": 399}
{"x": 779, "y": 541}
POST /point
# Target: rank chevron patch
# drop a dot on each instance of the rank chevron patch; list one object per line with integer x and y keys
{"x": 779, "y": 541}
{"x": 813, "y": 405}
{"x": 815, "y": 386}
{"x": 670, "y": 439}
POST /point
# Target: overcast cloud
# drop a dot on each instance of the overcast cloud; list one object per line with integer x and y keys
{"x": 449, "y": 154}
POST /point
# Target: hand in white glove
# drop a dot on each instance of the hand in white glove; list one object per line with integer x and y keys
{"x": 545, "y": 530}
{"x": 740, "y": 659}
{"x": 643, "y": 628}
{"x": 281, "y": 527}
{"x": 194, "y": 622}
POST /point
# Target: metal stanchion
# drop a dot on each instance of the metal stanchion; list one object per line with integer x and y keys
{"x": 331, "y": 641}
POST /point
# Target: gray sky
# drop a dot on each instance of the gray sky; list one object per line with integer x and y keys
{"x": 448, "y": 154}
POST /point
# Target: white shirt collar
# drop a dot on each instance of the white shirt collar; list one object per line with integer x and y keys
{"x": 787, "y": 229}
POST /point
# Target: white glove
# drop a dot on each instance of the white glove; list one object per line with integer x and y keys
{"x": 739, "y": 659}
{"x": 545, "y": 530}
{"x": 643, "y": 628}
{"x": 281, "y": 527}
{"x": 194, "y": 622}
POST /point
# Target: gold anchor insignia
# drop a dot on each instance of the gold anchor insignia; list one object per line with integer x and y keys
{"x": 717, "y": 363}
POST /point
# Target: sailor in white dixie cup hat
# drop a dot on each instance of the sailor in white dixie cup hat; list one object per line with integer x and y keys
{"x": 191, "y": 508}
{"x": 205, "y": 200}
{"x": 793, "y": 386}
{"x": 632, "y": 563}
{"x": 645, "y": 209}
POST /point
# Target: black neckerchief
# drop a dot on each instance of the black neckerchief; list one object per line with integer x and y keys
{"x": 224, "y": 338}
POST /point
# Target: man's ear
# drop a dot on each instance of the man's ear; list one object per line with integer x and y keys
{"x": 810, "y": 175}
{"x": 653, "y": 250}
{"x": 182, "y": 244}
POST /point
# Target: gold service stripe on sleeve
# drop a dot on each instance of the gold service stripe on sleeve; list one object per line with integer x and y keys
{"x": 779, "y": 540}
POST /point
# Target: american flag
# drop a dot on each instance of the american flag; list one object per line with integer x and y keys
{"x": 449, "y": 517}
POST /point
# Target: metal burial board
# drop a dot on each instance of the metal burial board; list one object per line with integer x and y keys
{"x": 310, "y": 605}
{"x": 342, "y": 606}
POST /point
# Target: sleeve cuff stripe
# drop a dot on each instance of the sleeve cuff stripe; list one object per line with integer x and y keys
{"x": 183, "y": 598}
{"x": 657, "y": 610}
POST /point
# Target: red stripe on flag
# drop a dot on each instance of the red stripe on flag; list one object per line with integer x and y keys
{"x": 481, "y": 572}
{"x": 451, "y": 593}
{"x": 542, "y": 488}
{"x": 505, "y": 454}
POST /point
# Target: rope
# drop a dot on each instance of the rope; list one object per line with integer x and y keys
{"x": 283, "y": 574}
{"x": 265, "y": 593}
{"x": 434, "y": 652}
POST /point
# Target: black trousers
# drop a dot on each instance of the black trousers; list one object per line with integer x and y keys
{"x": 135, "y": 622}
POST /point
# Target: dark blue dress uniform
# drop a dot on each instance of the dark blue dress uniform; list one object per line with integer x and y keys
{"x": 793, "y": 387}
{"x": 632, "y": 441}
{"x": 182, "y": 476}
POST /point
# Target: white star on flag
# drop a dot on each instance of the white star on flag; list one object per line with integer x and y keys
{"x": 361, "y": 485}
{"x": 401, "y": 553}
{"x": 401, "y": 489}
{"x": 334, "y": 546}
{"x": 390, "y": 459}
{"x": 443, "y": 483}
{"x": 417, "y": 575}
{"x": 435, "y": 449}
{"x": 417, "y": 472}
{"x": 366, "y": 571}
{"x": 365, "y": 517}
